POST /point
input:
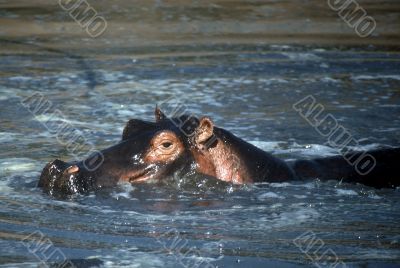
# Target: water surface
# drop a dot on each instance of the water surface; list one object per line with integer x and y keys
{"x": 245, "y": 86}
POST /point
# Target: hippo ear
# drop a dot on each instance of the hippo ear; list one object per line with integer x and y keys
{"x": 135, "y": 126}
{"x": 159, "y": 115}
{"x": 204, "y": 131}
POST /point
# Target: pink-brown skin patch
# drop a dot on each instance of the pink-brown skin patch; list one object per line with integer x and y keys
{"x": 217, "y": 159}
{"x": 165, "y": 147}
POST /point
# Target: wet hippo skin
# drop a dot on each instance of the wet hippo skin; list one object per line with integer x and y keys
{"x": 151, "y": 151}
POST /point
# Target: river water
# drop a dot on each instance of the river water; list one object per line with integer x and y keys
{"x": 246, "y": 78}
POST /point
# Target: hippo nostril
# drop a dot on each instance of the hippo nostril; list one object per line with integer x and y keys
{"x": 71, "y": 169}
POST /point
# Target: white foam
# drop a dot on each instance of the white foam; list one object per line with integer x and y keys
{"x": 119, "y": 195}
{"x": 7, "y": 93}
{"x": 272, "y": 80}
{"x": 374, "y": 196}
{"x": 268, "y": 195}
{"x": 374, "y": 77}
{"x": 341, "y": 192}
{"x": 20, "y": 78}
{"x": 367, "y": 147}
{"x": 308, "y": 185}
{"x": 126, "y": 188}
{"x": 127, "y": 113}
{"x": 302, "y": 56}
{"x": 266, "y": 145}
{"x": 131, "y": 258}
{"x": 346, "y": 106}
{"x": 389, "y": 105}
{"x": 294, "y": 217}
{"x": 281, "y": 46}
{"x": 24, "y": 265}
{"x": 327, "y": 79}
{"x": 5, "y": 188}
{"x": 300, "y": 215}
{"x": 8, "y": 136}
{"x": 313, "y": 150}
{"x": 299, "y": 196}
{"x": 280, "y": 185}
{"x": 13, "y": 165}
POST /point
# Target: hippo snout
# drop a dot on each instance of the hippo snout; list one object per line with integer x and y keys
{"x": 63, "y": 178}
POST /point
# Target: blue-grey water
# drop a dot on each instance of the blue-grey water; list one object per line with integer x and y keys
{"x": 247, "y": 88}
{"x": 248, "y": 91}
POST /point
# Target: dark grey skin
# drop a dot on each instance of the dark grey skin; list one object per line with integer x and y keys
{"x": 152, "y": 151}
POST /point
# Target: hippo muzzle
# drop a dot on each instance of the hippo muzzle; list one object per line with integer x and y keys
{"x": 67, "y": 178}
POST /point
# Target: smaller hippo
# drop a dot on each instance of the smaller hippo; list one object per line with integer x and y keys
{"x": 153, "y": 151}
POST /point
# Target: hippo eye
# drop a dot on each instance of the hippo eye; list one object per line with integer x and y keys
{"x": 166, "y": 144}
{"x": 165, "y": 147}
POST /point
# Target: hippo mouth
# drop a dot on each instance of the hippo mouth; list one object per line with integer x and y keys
{"x": 139, "y": 176}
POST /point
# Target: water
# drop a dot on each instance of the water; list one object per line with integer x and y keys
{"x": 246, "y": 87}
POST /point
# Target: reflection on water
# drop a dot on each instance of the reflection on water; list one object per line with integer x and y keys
{"x": 237, "y": 77}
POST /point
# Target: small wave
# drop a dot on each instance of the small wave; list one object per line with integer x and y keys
{"x": 327, "y": 79}
{"x": 266, "y": 145}
{"x": 341, "y": 192}
{"x": 18, "y": 165}
{"x": 302, "y": 56}
{"x": 374, "y": 77}
{"x": 9, "y": 137}
{"x": 280, "y": 185}
{"x": 367, "y": 147}
{"x": 269, "y": 195}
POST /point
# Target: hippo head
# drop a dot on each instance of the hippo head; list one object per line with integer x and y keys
{"x": 148, "y": 152}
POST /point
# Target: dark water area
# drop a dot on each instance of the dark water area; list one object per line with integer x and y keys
{"x": 244, "y": 64}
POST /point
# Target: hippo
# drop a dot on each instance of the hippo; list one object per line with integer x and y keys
{"x": 150, "y": 152}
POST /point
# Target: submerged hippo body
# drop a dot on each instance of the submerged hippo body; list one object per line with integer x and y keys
{"x": 152, "y": 151}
